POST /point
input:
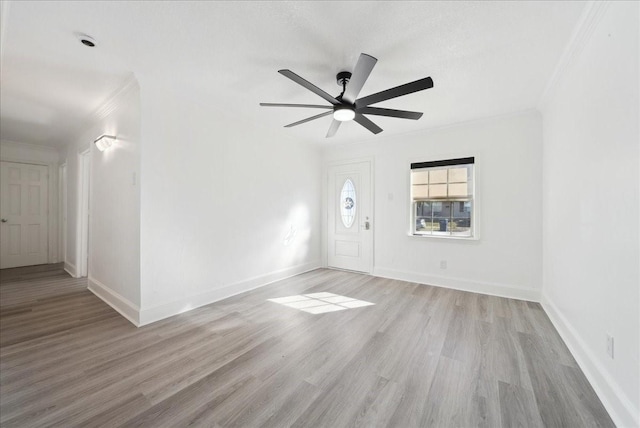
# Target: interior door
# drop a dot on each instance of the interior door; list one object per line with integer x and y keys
{"x": 350, "y": 222}
{"x": 23, "y": 213}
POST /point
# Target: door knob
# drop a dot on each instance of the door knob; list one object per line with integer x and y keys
{"x": 366, "y": 225}
{"x": 4, "y": 220}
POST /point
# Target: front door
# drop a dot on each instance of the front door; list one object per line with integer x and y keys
{"x": 23, "y": 213}
{"x": 350, "y": 221}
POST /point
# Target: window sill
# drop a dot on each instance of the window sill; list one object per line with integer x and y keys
{"x": 447, "y": 237}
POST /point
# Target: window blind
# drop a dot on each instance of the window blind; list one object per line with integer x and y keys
{"x": 443, "y": 179}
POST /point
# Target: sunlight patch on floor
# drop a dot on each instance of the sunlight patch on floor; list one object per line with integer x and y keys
{"x": 319, "y": 303}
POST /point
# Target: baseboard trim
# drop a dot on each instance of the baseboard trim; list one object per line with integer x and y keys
{"x": 159, "y": 312}
{"x": 70, "y": 269}
{"x": 491, "y": 289}
{"x": 619, "y": 406}
{"x": 122, "y": 305}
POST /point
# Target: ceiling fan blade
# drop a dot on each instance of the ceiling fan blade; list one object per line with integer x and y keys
{"x": 333, "y": 128}
{"x": 360, "y": 74}
{"x": 403, "y": 114}
{"x": 294, "y": 105}
{"x": 317, "y": 116}
{"x": 310, "y": 86}
{"x": 367, "y": 123}
{"x": 398, "y": 91}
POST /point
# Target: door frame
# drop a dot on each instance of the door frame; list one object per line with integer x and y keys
{"x": 84, "y": 193}
{"x": 62, "y": 213}
{"x": 325, "y": 207}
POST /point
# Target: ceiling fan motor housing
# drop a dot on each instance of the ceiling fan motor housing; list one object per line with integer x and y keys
{"x": 343, "y": 78}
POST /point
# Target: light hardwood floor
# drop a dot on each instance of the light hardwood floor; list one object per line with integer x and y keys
{"x": 421, "y": 356}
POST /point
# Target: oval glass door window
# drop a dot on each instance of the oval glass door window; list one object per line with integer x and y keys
{"x": 348, "y": 203}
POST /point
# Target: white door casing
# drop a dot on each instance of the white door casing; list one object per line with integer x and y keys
{"x": 350, "y": 217}
{"x": 84, "y": 213}
{"x": 24, "y": 213}
{"x": 62, "y": 192}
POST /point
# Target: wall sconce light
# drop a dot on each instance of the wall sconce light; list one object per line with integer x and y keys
{"x": 104, "y": 142}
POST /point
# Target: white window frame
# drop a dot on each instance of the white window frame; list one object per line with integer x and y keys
{"x": 472, "y": 197}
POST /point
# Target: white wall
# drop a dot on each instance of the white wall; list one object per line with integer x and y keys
{"x": 114, "y": 227}
{"x": 591, "y": 207}
{"x": 41, "y": 155}
{"x": 506, "y": 259}
{"x": 219, "y": 197}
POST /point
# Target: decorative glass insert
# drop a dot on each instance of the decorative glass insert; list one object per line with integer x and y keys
{"x": 348, "y": 203}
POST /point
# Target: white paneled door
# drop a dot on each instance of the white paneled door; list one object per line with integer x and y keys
{"x": 350, "y": 222}
{"x": 23, "y": 212}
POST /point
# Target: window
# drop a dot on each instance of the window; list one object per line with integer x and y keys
{"x": 442, "y": 194}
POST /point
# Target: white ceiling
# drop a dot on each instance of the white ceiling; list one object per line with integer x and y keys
{"x": 486, "y": 58}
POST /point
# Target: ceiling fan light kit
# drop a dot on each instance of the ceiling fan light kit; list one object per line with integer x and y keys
{"x": 343, "y": 113}
{"x": 347, "y": 106}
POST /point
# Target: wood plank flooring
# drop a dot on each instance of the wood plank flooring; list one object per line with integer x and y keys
{"x": 421, "y": 356}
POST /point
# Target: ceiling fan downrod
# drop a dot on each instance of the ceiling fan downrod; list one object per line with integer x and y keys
{"x": 343, "y": 78}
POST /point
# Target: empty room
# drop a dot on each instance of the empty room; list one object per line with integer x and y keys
{"x": 320, "y": 214}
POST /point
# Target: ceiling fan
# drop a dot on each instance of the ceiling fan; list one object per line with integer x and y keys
{"x": 347, "y": 106}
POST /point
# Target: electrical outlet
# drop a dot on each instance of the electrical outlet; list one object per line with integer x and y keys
{"x": 610, "y": 345}
{"x": 443, "y": 264}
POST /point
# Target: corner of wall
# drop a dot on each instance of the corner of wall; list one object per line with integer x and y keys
{"x": 71, "y": 269}
{"x": 588, "y": 21}
{"x": 123, "y": 306}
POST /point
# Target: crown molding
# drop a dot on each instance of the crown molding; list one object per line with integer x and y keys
{"x": 113, "y": 101}
{"x": 588, "y": 22}
{"x": 111, "y": 104}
